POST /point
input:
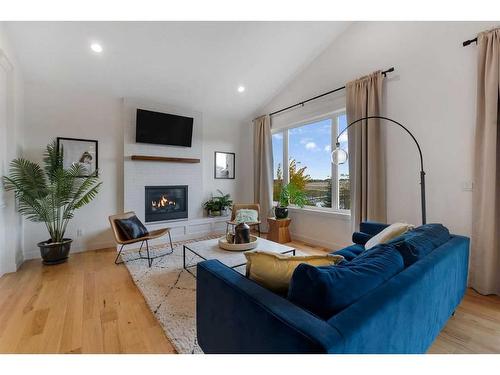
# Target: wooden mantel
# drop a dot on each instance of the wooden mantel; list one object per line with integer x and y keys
{"x": 164, "y": 159}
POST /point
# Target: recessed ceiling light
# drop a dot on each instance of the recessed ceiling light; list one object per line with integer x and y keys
{"x": 241, "y": 88}
{"x": 96, "y": 47}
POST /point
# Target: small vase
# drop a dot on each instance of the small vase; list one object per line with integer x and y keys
{"x": 281, "y": 212}
{"x": 242, "y": 233}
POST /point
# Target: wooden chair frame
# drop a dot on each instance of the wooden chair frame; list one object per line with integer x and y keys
{"x": 121, "y": 240}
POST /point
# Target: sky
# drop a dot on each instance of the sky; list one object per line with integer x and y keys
{"x": 310, "y": 145}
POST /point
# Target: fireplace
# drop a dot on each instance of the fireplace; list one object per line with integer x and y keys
{"x": 166, "y": 202}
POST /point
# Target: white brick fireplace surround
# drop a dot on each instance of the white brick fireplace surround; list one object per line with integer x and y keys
{"x": 138, "y": 174}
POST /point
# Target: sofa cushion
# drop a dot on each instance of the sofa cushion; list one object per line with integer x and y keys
{"x": 273, "y": 271}
{"x": 350, "y": 252}
{"x": 361, "y": 238}
{"x": 392, "y": 231}
{"x": 325, "y": 291}
{"x": 371, "y": 227}
{"x": 416, "y": 244}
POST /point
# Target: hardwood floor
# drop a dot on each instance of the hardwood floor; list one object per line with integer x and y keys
{"x": 87, "y": 305}
{"x": 90, "y": 305}
{"x": 475, "y": 327}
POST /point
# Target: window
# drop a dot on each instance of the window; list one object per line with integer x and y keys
{"x": 307, "y": 149}
{"x": 278, "y": 164}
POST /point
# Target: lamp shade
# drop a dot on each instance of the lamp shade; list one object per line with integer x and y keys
{"x": 339, "y": 155}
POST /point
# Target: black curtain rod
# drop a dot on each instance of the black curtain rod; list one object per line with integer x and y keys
{"x": 321, "y": 95}
{"x": 470, "y": 41}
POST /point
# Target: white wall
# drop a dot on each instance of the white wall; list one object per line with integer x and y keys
{"x": 55, "y": 111}
{"x": 11, "y": 119}
{"x": 432, "y": 92}
{"x": 228, "y": 135}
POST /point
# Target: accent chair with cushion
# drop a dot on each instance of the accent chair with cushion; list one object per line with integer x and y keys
{"x": 234, "y": 215}
{"x": 127, "y": 230}
{"x": 395, "y": 297}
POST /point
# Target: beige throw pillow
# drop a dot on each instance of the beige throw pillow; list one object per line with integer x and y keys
{"x": 392, "y": 231}
{"x": 273, "y": 271}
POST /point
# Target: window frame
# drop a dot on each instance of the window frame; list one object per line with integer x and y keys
{"x": 334, "y": 117}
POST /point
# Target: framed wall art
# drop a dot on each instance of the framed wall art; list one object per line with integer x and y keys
{"x": 80, "y": 151}
{"x": 224, "y": 165}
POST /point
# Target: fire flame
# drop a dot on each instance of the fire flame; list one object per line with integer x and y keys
{"x": 162, "y": 202}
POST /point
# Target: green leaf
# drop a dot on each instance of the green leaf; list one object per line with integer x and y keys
{"x": 53, "y": 160}
{"x": 88, "y": 196}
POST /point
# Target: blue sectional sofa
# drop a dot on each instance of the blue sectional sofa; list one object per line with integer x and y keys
{"x": 402, "y": 315}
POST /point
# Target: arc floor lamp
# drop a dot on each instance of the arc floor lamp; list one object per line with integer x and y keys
{"x": 339, "y": 155}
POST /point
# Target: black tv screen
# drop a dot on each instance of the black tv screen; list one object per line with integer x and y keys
{"x": 163, "y": 128}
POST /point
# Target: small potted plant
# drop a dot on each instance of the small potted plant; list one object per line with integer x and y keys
{"x": 289, "y": 194}
{"x": 212, "y": 207}
{"x": 217, "y": 206}
{"x": 51, "y": 195}
{"x": 225, "y": 202}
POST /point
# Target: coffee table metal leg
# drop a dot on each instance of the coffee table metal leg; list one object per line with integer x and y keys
{"x": 184, "y": 262}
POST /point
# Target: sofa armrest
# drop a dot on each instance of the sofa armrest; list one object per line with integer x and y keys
{"x": 406, "y": 313}
{"x": 371, "y": 227}
{"x": 236, "y": 315}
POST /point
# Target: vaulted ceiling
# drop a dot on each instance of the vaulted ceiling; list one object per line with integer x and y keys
{"x": 198, "y": 65}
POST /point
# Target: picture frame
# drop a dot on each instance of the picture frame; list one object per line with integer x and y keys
{"x": 83, "y": 151}
{"x": 224, "y": 165}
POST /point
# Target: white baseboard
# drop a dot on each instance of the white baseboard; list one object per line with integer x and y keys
{"x": 177, "y": 237}
{"x": 314, "y": 241}
{"x": 20, "y": 261}
{"x": 181, "y": 230}
{"x": 35, "y": 254}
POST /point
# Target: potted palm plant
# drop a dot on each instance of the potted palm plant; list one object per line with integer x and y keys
{"x": 50, "y": 195}
{"x": 289, "y": 194}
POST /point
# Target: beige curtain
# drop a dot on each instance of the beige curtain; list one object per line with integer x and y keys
{"x": 366, "y": 150}
{"x": 485, "y": 249}
{"x": 263, "y": 167}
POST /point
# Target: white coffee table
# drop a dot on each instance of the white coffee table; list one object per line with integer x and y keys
{"x": 209, "y": 249}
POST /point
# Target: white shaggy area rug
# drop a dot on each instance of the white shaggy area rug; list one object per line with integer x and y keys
{"x": 170, "y": 291}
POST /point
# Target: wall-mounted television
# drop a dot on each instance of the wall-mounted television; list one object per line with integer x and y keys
{"x": 163, "y": 128}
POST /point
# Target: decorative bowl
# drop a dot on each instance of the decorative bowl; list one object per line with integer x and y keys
{"x": 223, "y": 244}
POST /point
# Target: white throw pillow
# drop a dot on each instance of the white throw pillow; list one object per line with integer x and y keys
{"x": 392, "y": 231}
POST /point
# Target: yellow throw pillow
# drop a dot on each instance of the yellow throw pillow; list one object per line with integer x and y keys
{"x": 273, "y": 271}
{"x": 392, "y": 231}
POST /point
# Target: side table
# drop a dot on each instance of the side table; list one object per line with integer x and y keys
{"x": 278, "y": 230}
